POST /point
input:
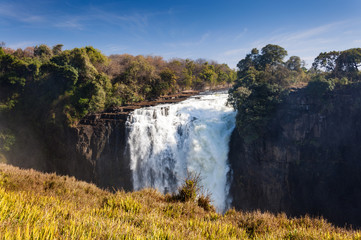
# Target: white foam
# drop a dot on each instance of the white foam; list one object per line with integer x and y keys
{"x": 166, "y": 141}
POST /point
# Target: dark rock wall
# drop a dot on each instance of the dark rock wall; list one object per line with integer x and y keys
{"x": 103, "y": 144}
{"x": 93, "y": 151}
{"x": 309, "y": 163}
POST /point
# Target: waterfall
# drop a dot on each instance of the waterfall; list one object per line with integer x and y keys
{"x": 167, "y": 141}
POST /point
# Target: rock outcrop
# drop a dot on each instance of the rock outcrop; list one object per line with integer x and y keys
{"x": 309, "y": 163}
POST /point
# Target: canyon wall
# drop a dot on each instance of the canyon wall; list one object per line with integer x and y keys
{"x": 96, "y": 152}
{"x": 93, "y": 151}
{"x": 308, "y": 163}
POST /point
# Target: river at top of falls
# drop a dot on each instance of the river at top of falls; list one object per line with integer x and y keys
{"x": 168, "y": 141}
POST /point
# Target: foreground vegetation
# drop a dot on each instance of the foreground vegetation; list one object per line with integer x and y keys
{"x": 46, "y": 206}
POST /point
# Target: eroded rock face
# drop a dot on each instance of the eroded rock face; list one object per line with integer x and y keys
{"x": 309, "y": 163}
{"x": 103, "y": 145}
{"x": 93, "y": 151}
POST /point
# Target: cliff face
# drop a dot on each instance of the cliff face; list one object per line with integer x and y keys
{"x": 94, "y": 151}
{"x": 309, "y": 163}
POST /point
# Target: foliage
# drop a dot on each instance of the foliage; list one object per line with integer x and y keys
{"x": 255, "y": 106}
{"x": 14, "y": 74}
{"x": 43, "y": 51}
{"x": 263, "y": 81}
{"x": 192, "y": 191}
{"x": 7, "y": 139}
{"x": 272, "y": 55}
{"x": 339, "y": 64}
{"x": 204, "y": 201}
{"x": 69, "y": 209}
{"x": 62, "y": 86}
{"x": 190, "y": 188}
{"x": 319, "y": 85}
{"x": 57, "y": 49}
{"x": 142, "y": 77}
{"x": 44, "y": 90}
{"x": 295, "y": 63}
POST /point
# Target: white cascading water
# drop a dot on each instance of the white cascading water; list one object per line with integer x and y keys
{"x": 168, "y": 141}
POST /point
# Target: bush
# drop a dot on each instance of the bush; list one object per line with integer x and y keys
{"x": 192, "y": 191}
{"x": 204, "y": 201}
{"x": 7, "y": 139}
{"x": 319, "y": 86}
{"x": 190, "y": 188}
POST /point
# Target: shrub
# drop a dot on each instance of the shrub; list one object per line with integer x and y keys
{"x": 190, "y": 188}
{"x": 319, "y": 86}
{"x": 204, "y": 201}
{"x": 192, "y": 191}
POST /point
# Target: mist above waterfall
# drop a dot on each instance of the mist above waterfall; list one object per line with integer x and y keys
{"x": 168, "y": 141}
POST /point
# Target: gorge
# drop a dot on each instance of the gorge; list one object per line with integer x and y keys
{"x": 295, "y": 148}
{"x": 309, "y": 164}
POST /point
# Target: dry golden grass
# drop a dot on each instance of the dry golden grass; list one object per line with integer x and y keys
{"x": 46, "y": 206}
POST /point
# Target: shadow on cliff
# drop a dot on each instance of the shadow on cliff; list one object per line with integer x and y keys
{"x": 308, "y": 164}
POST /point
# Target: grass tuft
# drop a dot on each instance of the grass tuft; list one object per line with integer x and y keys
{"x": 46, "y": 206}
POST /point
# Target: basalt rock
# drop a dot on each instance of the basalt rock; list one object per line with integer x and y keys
{"x": 308, "y": 163}
{"x": 93, "y": 151}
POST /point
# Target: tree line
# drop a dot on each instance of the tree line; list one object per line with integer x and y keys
{"x": 67, "y": 85}
{"x": 47, "y": 89}
{"x": 264, "y": 79}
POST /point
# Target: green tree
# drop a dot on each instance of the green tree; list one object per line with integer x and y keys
{"x": 7, "y": 140}
{"x": 272, "y": 55}
{"x": 339, "y": 64}
{"x": 263, "y": 81}
{"x": 208, "y": 74}
{"x": 43, "y": 51}
{"x": 166, "y": 82}
{"x": 319, "y": 86}
{"x": 326, "y": 61}
{"x": 294, "y": 63}
{"x": 14, "y": 74}
{"x": 251, "y": 60}
{"x": 348, "y": 62}
{"x": 57, "y": 49}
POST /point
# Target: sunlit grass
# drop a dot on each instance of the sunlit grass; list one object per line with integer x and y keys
{"x": 46, "y": 206}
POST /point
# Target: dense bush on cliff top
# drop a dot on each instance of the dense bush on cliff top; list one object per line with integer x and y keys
{"x": 265, "y": 79}
{"x": 51, "y": 88}
{"x": 46, "y": 206}
{"x": 82, "y": 80}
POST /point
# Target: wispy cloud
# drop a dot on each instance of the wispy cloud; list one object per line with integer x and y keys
{"x": 313, "y": 32}
{"x": 22, "y": 44}
{"x": 306, "y": 43}
{"x": 187, "y": 44}
{"x": 18, "y": 13}
{"x": 241, "y": 34}
{"x": 295, "y": 38}
{"x": 70, "y": 23}
{"x": 135, "y": 19}
{"x": 85, "y": 16}
{"x": 114, "y": 49}
{"x": 236, "y": 51}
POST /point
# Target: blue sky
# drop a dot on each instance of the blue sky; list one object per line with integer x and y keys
{"x": 223, "y": 30}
